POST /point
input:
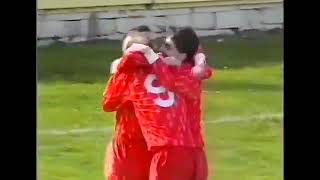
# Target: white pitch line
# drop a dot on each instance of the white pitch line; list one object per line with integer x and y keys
{"x": 110, "y": 129}
{"x": 248, "y": 118}
{"x": 75, "y": 131}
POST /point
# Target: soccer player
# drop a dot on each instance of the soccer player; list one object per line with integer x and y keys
{"x": 127, "y": 156}
{"x": 172, "y": 136}
{"x": 174, "y": 47}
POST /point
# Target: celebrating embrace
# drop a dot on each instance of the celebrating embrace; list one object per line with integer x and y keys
{"x": 156, "y": 92}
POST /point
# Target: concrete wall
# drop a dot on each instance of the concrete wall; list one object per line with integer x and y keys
{"x": 206, "y": 21}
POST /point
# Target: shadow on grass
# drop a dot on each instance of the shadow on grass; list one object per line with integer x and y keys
{"x": 89, "y": 62}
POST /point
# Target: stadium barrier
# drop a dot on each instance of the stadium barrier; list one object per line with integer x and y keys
{"x": 75, "y": 20}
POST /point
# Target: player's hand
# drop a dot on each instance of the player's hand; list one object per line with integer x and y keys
{"x": 114, "y": 66}
{"x": 138, "y": 47}
{"x": 199, "y": 59}
{"x": 200, "y": 65}
{"x": 171, "y": 61}
{"x": 199, "y": 71}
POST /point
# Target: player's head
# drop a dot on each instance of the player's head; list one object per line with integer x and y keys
{"x": 182, "y": 45}
{"x": 138, "y": 34}
{"x": 143, "y": 35}
{"x": 141, "y": 28}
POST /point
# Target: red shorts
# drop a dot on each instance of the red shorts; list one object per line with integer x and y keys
{"x": 175, "y": 163}
{"x": 127, "y": 161}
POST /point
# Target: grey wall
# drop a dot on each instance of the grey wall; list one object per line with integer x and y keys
{"x": 207, "y": 21}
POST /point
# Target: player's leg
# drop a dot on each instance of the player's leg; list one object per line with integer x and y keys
{"x": 201, "y": 164}
{"x": 113, "y": 162}
{"x": 109, "y": 160}
{"x": 172, "y": 163}
{"x": 127, "y": 161}
{"x": 138, "y": 160}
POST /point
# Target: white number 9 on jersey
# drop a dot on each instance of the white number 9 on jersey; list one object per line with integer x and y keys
{"x": 158, "y": 90}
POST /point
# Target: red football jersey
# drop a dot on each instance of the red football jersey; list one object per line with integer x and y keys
{"x": 127, "y": 129}
{"x": 127, "y": 155}
{"x": 198, "y": 119}
{"x": 182, "y": 81}
{"x": 195, "y": 104}
{"x": 159, "y": 94}
{"x": 194, "y": 100}
{"x": 195, "y": 110}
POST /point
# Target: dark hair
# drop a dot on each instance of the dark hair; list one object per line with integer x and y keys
{"x": 141, "y": 28}
{"x": 186, "y": 41}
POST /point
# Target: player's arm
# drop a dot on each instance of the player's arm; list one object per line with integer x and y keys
{"x": 201, "y": 69}
{"x": 173, "y": 79}
{"x": 114, "y": 94}
{"x": 183, "y": 83}
{"x": 208, "y": 72}
{"x": 180, "y": 81}
{"x": 118, "y": 85}
{"x": 202, "y": 72}
{"x": 133, "y": 58}
{"x": 114, "y": 65}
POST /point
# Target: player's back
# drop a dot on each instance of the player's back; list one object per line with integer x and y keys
{"x": 195, "y": 110}
{"x": 161, "y": 113}
{"x": 127, "y": 127}
{"x": 127, "y": 154}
